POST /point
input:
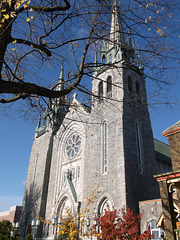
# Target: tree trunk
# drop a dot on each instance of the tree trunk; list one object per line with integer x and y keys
{"x": 5, "y": 31}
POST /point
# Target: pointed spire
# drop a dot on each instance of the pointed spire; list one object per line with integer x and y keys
{"x": 114, "y": 3}
{"x": 47, "y": 113}
{"x": 116, "y": 31}
{"x": 141, "y": 67}
{"x": 61, "y": 80}
{"x": 59, "y": 102}
{"x": 104, "y": 43}
{"x": 95, "y": 59}
{"x": 104, "y": 46}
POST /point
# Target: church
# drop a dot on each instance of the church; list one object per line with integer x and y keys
{"x": 108, "y": 147}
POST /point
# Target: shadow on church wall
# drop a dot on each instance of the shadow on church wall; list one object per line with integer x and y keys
{"x": 30, "y": 209}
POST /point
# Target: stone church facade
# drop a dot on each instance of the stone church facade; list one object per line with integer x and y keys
{"x": 108, "y": 147}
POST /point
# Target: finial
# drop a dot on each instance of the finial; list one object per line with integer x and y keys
{"x": 116, "y": 30}
{"x": 104, "y": 43}
{"x": 74, "y": 96}
{"x": 60, "y": 85}
{"x": 95, "y": 60}
{"x": 61, "y": 75}
{"x": 141, "y": 67}
{"x": 114, "y": 3}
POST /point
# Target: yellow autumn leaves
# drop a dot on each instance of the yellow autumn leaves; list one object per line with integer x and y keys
{"x": 71, "y": 226}
{"x": 18, "y": 3}
{"x": 159, "y": 30}
{"x": 12, "y": 14}
{"x": 28, "y": 19}
{"x": 22, "y": 2}
{"x": 68, "y": 226}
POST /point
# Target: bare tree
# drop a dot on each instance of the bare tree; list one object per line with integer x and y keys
{"x": 37, "y": 34}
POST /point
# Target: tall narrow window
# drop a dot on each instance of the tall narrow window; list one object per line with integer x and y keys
{"x": 63, "y": 176}
{"x": 139, "y": 148}
{"x": 78, "y": 171}
{"x": 109, "y": 87}
{"x": 104, "y": 147}
{"x": 73, "y": 173}
{"x": 101, "y": 90}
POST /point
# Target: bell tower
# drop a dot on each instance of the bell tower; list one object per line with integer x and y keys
{"x": 126, "y": 150}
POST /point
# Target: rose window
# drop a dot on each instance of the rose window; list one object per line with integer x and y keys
{"x": 73, "y": 145}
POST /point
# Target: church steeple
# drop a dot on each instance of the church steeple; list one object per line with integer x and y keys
{"x": 129, "y": 39}
{"x": 141, "y": 67}
{"x": 59, "y": 102}
{"x": 116, "y": 31}
{"x": 61, "y": 80}
{"x": 95, "y": 59}
{"x": 116, "y": 41}
{"x": 60, "y": 87}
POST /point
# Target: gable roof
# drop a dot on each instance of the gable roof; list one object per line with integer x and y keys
{"x": 174, "y": 128}
{"x": 162, "y": 150}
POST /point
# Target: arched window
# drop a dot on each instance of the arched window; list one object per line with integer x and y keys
{"x": 100, "y": 90}
{"x": 64, "y": 206}
{"x": 109, "y": 86}
{"x": 103, "y": 59}
{"x": 104, "y": 204}
{"x": 104, "y": 147}
{"x": 129, "y": 84}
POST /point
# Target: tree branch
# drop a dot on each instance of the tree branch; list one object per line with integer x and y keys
{"x": 46, "y": 9}
{"x": 26, "y": 89}
{"x": 33, "y": 45}
{"x": 10, "y": 100}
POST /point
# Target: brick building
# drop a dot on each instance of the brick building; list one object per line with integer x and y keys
{"x": 13, "y": 215}
{"x": 169, "y": 184}
{"x": 151, "y": 209}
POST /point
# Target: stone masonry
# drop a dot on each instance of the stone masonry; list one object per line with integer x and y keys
{"x": 108, "y": 147}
